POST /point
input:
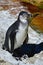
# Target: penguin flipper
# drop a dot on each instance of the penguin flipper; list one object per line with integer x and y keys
{"x": 26, "y": 40}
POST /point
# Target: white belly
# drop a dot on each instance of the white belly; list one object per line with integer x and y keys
{"x": 20, "y": 37}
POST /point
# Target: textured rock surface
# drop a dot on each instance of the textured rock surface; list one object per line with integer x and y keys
{"x": 2, "y": 62}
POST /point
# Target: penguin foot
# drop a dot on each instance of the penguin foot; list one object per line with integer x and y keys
{"x": 3, "y": 47}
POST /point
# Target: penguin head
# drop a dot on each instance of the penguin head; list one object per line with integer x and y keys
{"x": 24, "y": 17}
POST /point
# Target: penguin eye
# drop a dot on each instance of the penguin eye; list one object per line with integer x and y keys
{"x": 29, "y": 15}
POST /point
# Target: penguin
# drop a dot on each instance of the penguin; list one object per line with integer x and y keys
{"x": 17, "y": 33}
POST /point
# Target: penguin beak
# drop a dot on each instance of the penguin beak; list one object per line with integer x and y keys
{"x": 31, "y": 17}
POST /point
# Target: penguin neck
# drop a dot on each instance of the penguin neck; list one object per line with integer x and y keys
{"x": 23, "y": 26}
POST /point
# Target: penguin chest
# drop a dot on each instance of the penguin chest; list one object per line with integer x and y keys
{"x": 20, "y": 37}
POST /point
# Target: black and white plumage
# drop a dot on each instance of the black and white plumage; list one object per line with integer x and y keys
{"x": 16, "y": 34}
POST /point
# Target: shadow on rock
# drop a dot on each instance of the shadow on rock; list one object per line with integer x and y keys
{"x": 28, "y": 49}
